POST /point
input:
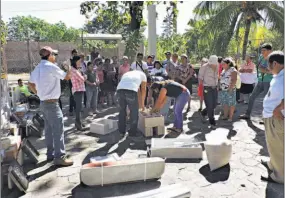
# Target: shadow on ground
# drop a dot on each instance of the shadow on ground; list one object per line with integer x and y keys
{"x": 81, "y": 191}
{"x": 221, "y": 174}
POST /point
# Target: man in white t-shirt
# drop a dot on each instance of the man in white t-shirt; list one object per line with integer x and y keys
{"x": 139, "y": 64}
{"x": 131, "y": 92}
{"x": 45, "y": 82}
{"x": 273, "y": 117}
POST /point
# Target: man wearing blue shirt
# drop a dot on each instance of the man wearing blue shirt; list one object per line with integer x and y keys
{"x": 273, "y": 109}
{"x": 264, "y": 77}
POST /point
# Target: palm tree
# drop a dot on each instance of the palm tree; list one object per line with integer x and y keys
{"x": 227, "y": 17}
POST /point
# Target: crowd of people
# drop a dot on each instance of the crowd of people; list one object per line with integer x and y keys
{"x": 158, "y": 85}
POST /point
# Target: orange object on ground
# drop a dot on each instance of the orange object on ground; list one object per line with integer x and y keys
{"x": 100, "y": 164}
{"x": 200, "y": 91}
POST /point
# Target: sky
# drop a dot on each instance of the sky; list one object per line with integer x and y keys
{"x": 69, "y": 12}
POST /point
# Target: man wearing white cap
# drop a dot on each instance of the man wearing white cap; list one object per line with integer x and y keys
{"x": 45, "y": 82}
{"x": 208, "y": 76}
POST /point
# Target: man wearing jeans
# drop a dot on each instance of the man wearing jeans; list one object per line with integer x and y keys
{"x": 264, "y": 78}
{"x": 45, "y": 82}
{"x": 273, "y": 116}
{"x": 131, "y": 92}
{"x": 208, "y": 76}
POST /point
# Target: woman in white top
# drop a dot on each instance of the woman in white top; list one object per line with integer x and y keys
{"x": 248, "y": 78}
{"x": 228, "y": 86}
{"x": 158, "y": 70}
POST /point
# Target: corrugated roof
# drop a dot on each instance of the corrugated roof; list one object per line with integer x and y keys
{"x": 102, "y": 37}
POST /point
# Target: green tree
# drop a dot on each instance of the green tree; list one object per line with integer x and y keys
{"x": 122, "y": 17}
{"x": 227, "y": 17}
{"x": 116, "y": 17}
{"x": 167, "y": 25}
{"x": 20, "y": 28}
{"x": 3, "y": 32}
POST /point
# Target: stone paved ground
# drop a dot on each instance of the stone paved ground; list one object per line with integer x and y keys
{"x": 240, "y": 179}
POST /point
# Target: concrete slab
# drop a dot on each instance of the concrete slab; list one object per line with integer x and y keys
{"x": 122, "y": 171}
{"x": 175, "y": 148}
{"x": 104, "y": 126}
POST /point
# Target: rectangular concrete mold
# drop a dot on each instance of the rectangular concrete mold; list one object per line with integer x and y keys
{"x": 171, "y": 191}
{"x": 175, "y": 148}
{"x": 107, "y": 158}
{"x": 130, "y": 171}
{"x": 218, "y": 154}
{"x": 103, "y": 126}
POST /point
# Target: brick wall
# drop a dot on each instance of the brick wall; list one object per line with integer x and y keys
{"x": 16, "y": 53}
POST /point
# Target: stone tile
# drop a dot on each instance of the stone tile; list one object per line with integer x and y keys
{"x": 44, "y": 193}
{"x": 75, "y": 178}
{"x": 67, "y": 171}
{"x": 243, "y": 179}
{"x": 249, "y": 162}
{"x": 245, "y": 194}
{"x": 224, "y": 189}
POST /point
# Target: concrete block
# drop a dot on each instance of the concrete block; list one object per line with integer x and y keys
{"x": 102, "y": 173}
{"x": 104, "y": 126}
{"x": 175, "y": 148}
{"x": 219, "y": 154}
{"x": 150, "y": 120}
{"x": 151, "y": 131}
{"x": 171, "y": 191}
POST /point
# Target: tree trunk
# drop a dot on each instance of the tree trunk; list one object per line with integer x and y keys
{"x": 174, "y": 22}
{"x": 228, "y": 36}
{"x": 136, "y": 15}
{"x": 245, "y": 39}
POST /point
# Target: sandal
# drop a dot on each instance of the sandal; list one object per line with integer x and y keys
{"x": 268, "y": 179}
{"x": 172, "y": 128}
{"x": 264, "y": 163}
{"x": 178, "y": 130}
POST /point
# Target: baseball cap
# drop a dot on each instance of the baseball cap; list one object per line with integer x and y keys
{"x": 184, "y": 55}
{"x": 167, "y": 53}
{"x": 47, "y": 50}
{"x": 267, "y": 46}
{"x": 213, "y": 59}
{"x": 125, "y": 57}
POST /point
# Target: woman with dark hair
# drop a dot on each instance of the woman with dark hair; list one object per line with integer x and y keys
{"x": 78, "y": 89}
{"x": 92, "y": 84}
{"x": 186, "y": 74}
{"x": 109, "y": 81}
{"x": 175, "y": 90}
{"x": 228, "y": 86}
{"x": 158, "y": 70}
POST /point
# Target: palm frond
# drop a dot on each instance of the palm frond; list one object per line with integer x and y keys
{"x": 224, "y": 16}
{"x": 275, "y": 17}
